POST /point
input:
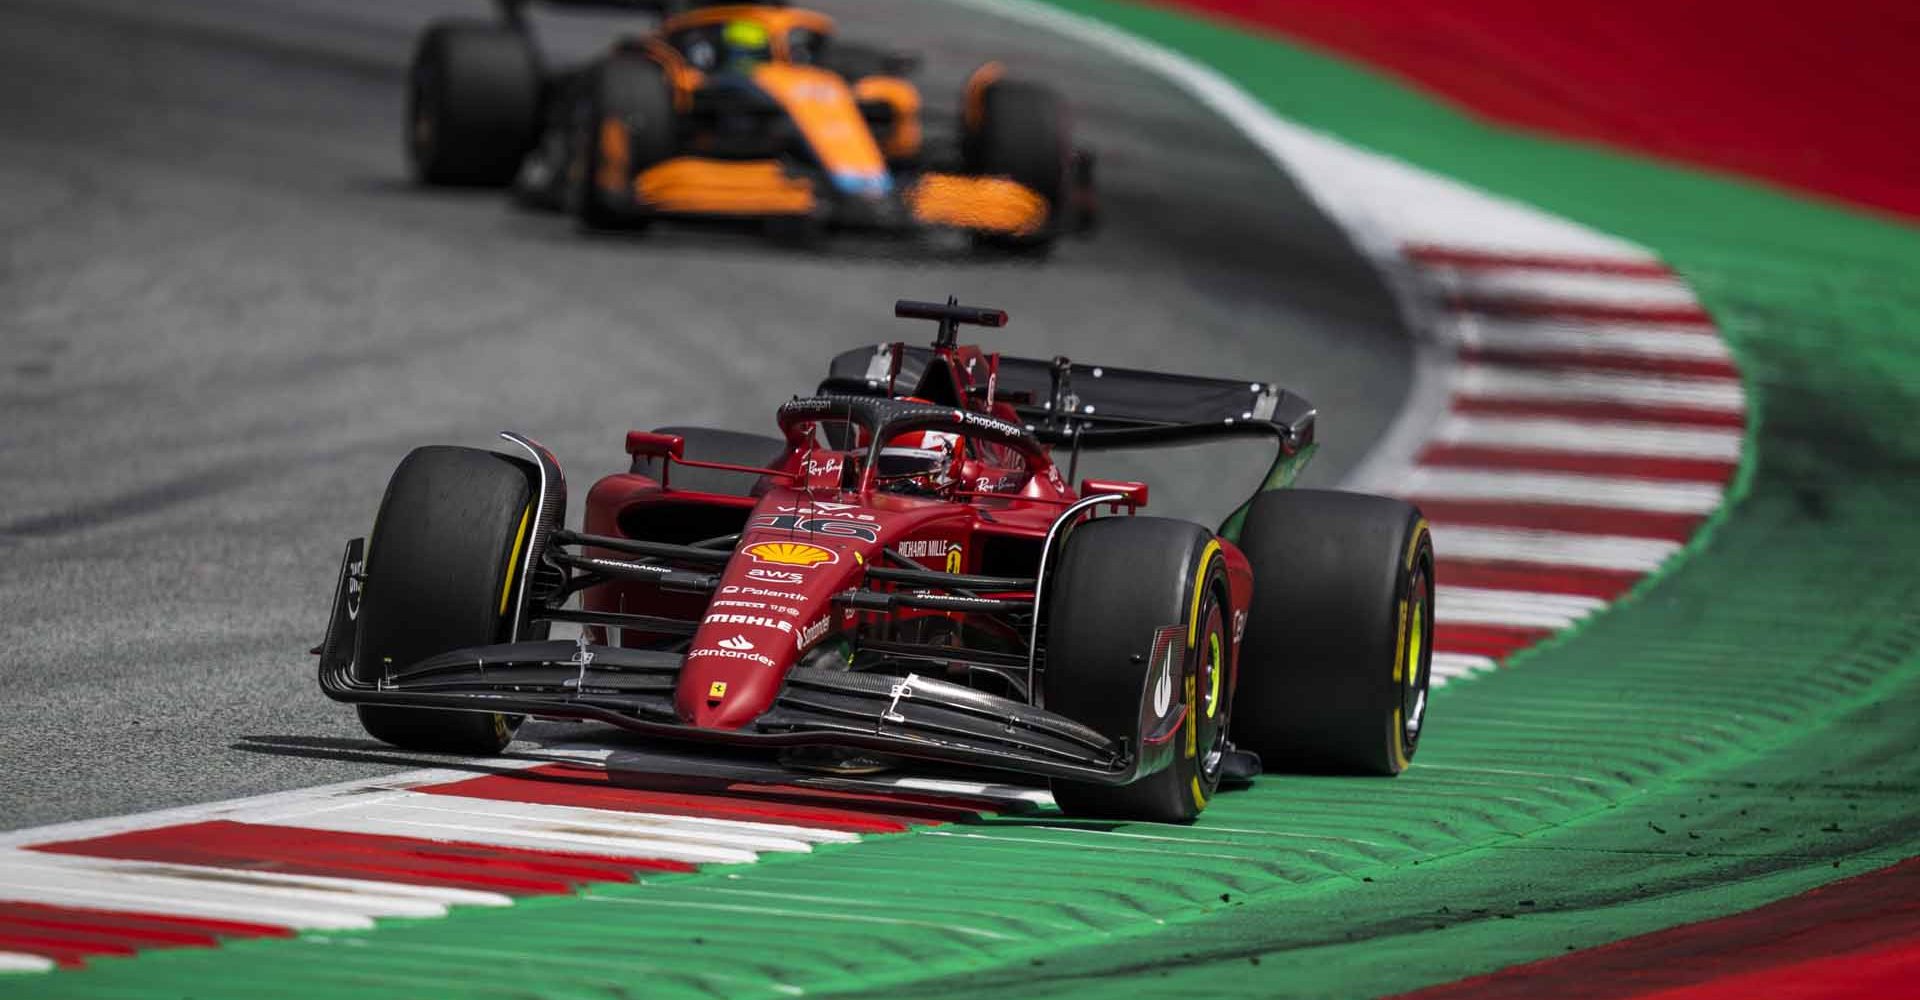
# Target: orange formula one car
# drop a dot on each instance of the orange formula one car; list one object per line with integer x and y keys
{"x": 743, "y": 111}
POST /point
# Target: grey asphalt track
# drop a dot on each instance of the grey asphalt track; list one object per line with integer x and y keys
{"x": 225, "y": 314}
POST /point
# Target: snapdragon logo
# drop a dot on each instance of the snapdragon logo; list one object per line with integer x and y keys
{"x": 803, "y": 638}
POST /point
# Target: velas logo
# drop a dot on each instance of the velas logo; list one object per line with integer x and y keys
{"x": 791, "y": 554}
{"x": 842, "y": 510}
{"x": 737, "y": 642}
{"x": 842, "y": 527}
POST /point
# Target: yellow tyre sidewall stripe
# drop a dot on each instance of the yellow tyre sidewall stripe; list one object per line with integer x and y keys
{"x": 1407, "y": 646}
{"x": 513, "y": 558}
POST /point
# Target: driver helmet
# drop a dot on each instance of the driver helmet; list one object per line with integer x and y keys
{"x": 745, "y": 43}
{"x": 919, "y": 462}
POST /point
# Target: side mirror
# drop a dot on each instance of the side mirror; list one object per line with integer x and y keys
{"x": 647, "y": 444}
{"x": 1133, "y": 494}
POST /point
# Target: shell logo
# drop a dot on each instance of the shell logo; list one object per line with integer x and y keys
{"x": 791, "y": 554}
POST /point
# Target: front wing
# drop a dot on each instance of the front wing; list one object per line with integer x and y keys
{"x": 911, "y": 716}
{"x": 699, "y": 186}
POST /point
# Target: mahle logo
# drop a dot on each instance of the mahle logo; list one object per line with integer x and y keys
{"x": 791, "y": 554}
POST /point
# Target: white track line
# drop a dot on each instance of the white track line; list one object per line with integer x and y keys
{"x": 1563, "y": 287}
{"x": 1550, "y": 548}
{"x": 539, "y": 826}
{"x": 1659, "y": 496}
{"x": 1590, "y": 437}
{"x": 251, "y": 807}
{"x": 1456, "y": 666}
{"x": 13, "y": 961}
{"x": 1532, "y": 385}
{"x": 381, "y": 898}
{"x": 1524, "y": 609}
{"x": 1636, "y": 340}
{"x": 51, "y": 879}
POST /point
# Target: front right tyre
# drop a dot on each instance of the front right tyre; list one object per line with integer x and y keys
{"x": 1020, "y": 130}
{"x": 1138, "y": 613}
{"x": 623, "y": 123}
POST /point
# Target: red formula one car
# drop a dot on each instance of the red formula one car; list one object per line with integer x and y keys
{"x": 905, "y": 572}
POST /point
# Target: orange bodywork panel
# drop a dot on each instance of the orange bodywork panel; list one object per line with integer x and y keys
{"x": 986, "y": 204}
{"x": 905, "y": 99}
{"x": 616, "y": 157}
{"x": 681, "y": 76}
{"x": 819, "y": 103}
{"x": 973, "y": 103}
{"x": 698, "y": 186}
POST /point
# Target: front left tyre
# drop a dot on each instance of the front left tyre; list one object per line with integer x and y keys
{"x": 1337, "y": 657}
{"x": 473, "y": 104}
{"x": 447, "y": 551}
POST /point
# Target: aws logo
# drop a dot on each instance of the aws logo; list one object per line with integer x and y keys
{"x": 791, "y": 554}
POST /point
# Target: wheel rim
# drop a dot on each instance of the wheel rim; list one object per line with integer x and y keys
{"x": 1210, "y": 708}
{"x": 1419, "y": 652}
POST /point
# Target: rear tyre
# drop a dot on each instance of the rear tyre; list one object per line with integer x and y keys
{"x": 1022, "y": 133}
{"x": 473, "y": 104}
{"x": 710, "y": 444}
{"x": 443, "y": 561}
{"x": 1338, "y": 651}
{"x": 622, "y": 125}
{"x": 1122, "y": 582}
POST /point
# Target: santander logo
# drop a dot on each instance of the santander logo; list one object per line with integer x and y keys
{"x": 737, "y": 642}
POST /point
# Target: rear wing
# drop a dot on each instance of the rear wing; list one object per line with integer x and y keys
{"x": 1095, "y": 407}
{"x": 1096, "y": 403}
{"x": 514, "y": 11}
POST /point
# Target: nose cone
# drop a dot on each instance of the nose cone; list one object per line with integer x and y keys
{"x": 773, "y": 592}
{"x": 719, "y": 691}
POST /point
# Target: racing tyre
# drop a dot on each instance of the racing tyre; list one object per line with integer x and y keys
{"x": 1338, "y": 651}
{"x": 446, "y": 551}
{"x": 473, "y": 104}
{"x": 1021, "y": 131}
{"x": 622, "y": 125}
{"x": 709, "y": 444}
{"x": 1137, "y": 626}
